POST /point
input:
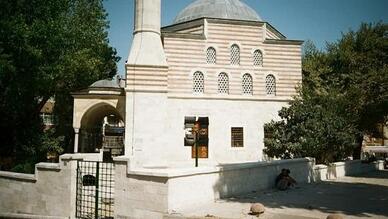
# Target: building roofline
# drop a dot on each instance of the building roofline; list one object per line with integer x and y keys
{"x": 275, "y": 30}
{"x": 184, "y": 35}
{"x": 201, "y": 21}
{"x": 183, "y": 25}
{"x": 283, "y": 41}
{"x": 94, "y": 91}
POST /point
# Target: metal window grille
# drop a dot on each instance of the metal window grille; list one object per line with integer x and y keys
{"x": 95, "y": 190}
{"x": 211, "y": 55}
{"x": 223, "y": 83}
{"x": 247, "y": 84}
{"x": 257, "y": 58}
{"x": 270, "y": 85}
{"x": 237, "y": 137}
{"x": 198, "y": 83}
{"x": 235, "y": 55}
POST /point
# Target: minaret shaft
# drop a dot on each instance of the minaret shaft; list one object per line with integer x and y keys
{"x": 147, "y": 48}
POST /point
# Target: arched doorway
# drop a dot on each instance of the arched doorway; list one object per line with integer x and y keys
{"x": 102, "y": 128}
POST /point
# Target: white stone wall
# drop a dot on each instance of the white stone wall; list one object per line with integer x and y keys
{"x": 48, "y": 192}
{"x": 139, "y": 196}
{"x": 231, "y": 180}
{"x": 152, "y": 193}
{"x": 154, "y": 137}
{"x": 341, "y": 169}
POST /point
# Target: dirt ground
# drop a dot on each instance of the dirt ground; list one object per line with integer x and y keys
{"x": 364, "y": 196}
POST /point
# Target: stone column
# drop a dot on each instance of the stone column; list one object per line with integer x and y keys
{"x": 76, "y": 137}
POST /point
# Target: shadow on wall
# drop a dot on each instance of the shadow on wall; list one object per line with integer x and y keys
{"x": 236, "y": 179}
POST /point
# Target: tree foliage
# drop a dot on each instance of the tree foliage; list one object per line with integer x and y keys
{"x": 48, "y": 48}
{"x": 343, "y": 95}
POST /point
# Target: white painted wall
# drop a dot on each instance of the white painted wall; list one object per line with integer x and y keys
{"x": 341, "y": 169}
{"x": 49, "y": 192}
{"x": 231, "y": 180}
{"x": 152, "y": 193}
{"x": 157, "y": 129}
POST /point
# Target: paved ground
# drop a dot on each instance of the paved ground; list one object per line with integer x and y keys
{"x": 363, "y": 196}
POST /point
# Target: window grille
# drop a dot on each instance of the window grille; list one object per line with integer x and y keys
{"x": 223, "y": 83}
{"x": 257, "y": 58}
{"x": 237, "y": 137}
{"x": 247, "y": 84}
{"x": 211, "y": 55}
{"x": 198, "y": 83}
{"x": 48, "y": 119}
{"x": 235, "y": 55}
{"x": 270, "y": 85}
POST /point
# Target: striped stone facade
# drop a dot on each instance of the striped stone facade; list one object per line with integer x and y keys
{"x": 186, "y": 44}
{"x": 146, "y": 78}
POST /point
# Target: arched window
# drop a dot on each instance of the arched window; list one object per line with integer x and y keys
{"x": 235, "y": 55}
{"x": 257, "y": 58}
{"x": 223, "y": 83}
{"x": 270, "y": 85}
{"x": 211, "y": 55}
{"x": 247, "y": 84}
{"x": 198, "y": 82}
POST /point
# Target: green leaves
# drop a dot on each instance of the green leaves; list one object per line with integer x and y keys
{"x": 48, "y": 48}
{"x": 344, "y": 95}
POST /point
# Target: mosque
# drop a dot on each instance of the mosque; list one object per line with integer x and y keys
{"x": 184, "y": 127}
{"x": 218, "y": 68}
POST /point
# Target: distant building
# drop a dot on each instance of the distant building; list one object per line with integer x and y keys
{"x": 378, "y": 139}
{"x": 46, "y": 114}
{"x": 376, "y": 144}
{"x": 218, "y": 65}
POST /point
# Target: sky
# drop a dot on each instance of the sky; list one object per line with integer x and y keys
{"x": 320, "y": 21}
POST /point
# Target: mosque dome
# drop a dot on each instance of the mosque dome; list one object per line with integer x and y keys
{"x": 107, "y": 83}
{"x": 224, "y": 9}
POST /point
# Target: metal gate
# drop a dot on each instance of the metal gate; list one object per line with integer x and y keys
{"x": 95, "y": 190}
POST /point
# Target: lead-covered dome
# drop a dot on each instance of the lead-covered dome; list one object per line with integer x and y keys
{"x": 224, "y": 9}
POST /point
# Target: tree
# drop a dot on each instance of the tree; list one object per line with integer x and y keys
{"x": 48, "y": 48}
{"x": 359, "y": 64}
{"x": 343, "y": 95}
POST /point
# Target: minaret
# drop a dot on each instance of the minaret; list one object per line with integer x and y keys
{"x": 147, "y": 46}
{"x": 146, "y": 81}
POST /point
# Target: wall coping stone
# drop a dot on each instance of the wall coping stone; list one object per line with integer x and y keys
{"x": 18, "y": 176}
{"x": 343, "y": 163}
{"x": 320, "y": 167}
{"x": 28, "y": 216}
{"x": 121, "y": 159}
{"x": 191, "y": 171}
{"x": 48, "y": 166}
{"x": 70, "y": 157}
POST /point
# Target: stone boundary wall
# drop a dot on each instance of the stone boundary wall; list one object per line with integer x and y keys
{"x": 232, "y": 180}
{"x": 341, "y": 169}
{"x": 152, "y": 192}
{"x": 49, "y": 193}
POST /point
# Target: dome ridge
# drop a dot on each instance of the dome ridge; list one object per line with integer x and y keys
{"x": 224, "y": 9}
